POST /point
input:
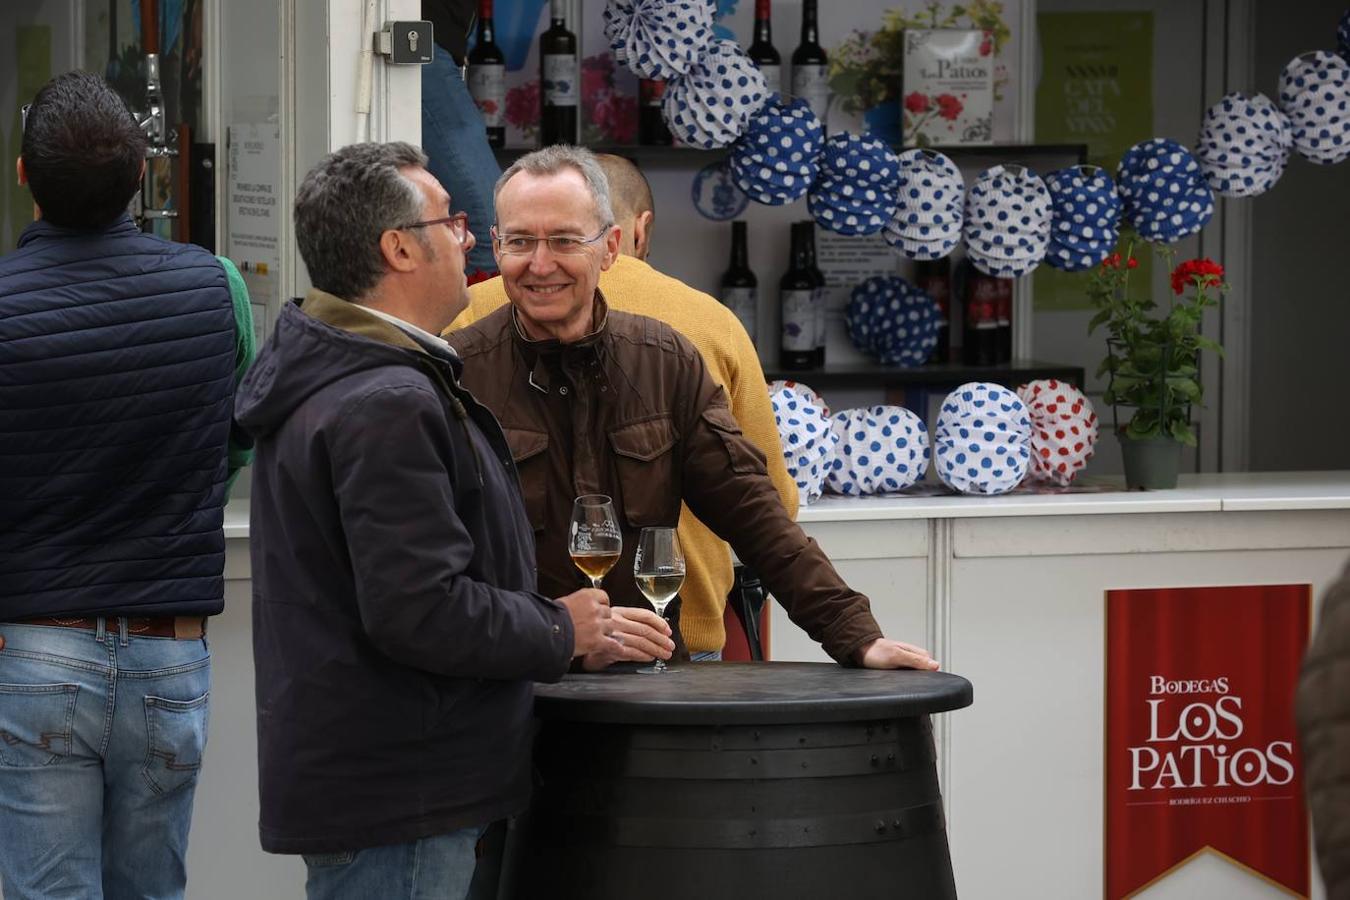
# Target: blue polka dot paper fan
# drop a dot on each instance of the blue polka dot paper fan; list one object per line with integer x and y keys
{"x": 1315, "y": 94}
{"x": 1069, "y": 259}
{"x": 1305, "y": 73}
{"x": 893, "y": 321}
{"x": 775, "y": 160}
{"x": 808, "y": 441}
{"x": 1244, "y": 145}
{"x": 930, "y": 193}
{"x": 923, "y": 248}
{"x": 806, "y": 392}
{"x": 1163, "y": 192}
{"x": 982, "y": 440}
{"x": 859, "y": 160}
{"x": 712, "y": 105}
{"x": 848, "y": 219}
{"x": 1007, "y": 222}
{"x": 881, "y": 449}
{"x": 659, "y": 38}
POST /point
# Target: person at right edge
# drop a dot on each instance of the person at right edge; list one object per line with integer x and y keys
{"x": 1323, "y": 708}
{"x": 396, "y": 624}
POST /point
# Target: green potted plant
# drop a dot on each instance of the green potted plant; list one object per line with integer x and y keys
{"x": 1153, "y": 359}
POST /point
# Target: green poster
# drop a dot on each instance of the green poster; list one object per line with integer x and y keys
{"x": 1096, "y": 88}
{"x": 32, "y": 69}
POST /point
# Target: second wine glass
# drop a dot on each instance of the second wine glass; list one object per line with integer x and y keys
{"x": 594, "y": 539}
{"x": 658, "y": 569}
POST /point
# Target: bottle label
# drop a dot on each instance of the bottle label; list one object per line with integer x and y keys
{"x": 560, "y": 79}
{"x": 487, "y": 86}
{"x": 773, "y": 77}
{"x": 820, "y": 301}
{"x": 811, "y": 82}
{"x": 744, "y": 302}
{"x": 651, "y": 91}
{"x": 799, "y": 320}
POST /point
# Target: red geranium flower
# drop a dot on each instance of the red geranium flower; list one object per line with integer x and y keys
{"x": 917, "y": 103}
{"x": 949, "y": 106}
{"x": 1206, "y": 270}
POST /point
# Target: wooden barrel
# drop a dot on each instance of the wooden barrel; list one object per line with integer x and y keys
{"x": 740, "y": 780}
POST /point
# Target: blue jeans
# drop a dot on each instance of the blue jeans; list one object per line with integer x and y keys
{"x": 706, "y": 656}
{"x": 101, "y": 740}
{"x": 433, "y": 868}
{"x": 455, "y": 140}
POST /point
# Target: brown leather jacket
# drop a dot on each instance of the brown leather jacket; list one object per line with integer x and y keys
{"x": 1324, "y": 730}
{"x": 630, "y": 411}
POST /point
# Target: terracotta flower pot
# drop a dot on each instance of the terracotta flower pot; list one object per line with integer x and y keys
{"x": 1150, "y": 463}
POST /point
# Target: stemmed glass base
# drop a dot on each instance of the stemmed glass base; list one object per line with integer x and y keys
{"x": 658, "y": 667}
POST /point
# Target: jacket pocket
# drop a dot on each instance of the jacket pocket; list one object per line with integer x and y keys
{"x": 528, "y": 451}
{"x": 741, "y": 454}
{"x": 176, "y": 739}
{"x": 36, "y": 721}
{"x": 648, "y": 479}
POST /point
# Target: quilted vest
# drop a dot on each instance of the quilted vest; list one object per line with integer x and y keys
{"x": 117, "y": 354}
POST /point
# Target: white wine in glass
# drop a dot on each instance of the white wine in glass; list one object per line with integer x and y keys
{"x": 594, "y": 539}
{"x": 658, "y": 569}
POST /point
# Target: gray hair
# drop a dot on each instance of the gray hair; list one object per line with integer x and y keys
{"x": 552, "y": 160}
{"x": 354, "y": 195}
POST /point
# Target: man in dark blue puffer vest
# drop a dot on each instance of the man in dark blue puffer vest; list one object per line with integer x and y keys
{"x": 118, "y": 357}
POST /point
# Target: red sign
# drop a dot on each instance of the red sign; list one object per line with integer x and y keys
{"x": 1201, "y": 753}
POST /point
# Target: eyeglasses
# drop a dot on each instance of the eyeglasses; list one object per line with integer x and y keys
{"x": 23, "y": 117}
{"x": 458, "y": 223}
{"x": 558, "y": 244}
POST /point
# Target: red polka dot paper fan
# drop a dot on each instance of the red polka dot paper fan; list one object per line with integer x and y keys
{"x": 1063, "y": 429}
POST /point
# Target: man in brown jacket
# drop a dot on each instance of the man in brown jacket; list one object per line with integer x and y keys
{"x": 598, "y": 401}
{"x": 1324, "y": 731}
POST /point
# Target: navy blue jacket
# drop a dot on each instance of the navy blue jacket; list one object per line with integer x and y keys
{"x": 117, "y": 356}
{"x": 396, "y": 627}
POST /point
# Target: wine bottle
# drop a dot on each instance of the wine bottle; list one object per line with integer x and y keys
{"x": 487, "y": 77}
{"x": 810, "y": 69}
{"x": 1003, "y": 314}
{"x": 740, "y": 287}
{"x": 558, "y": 79}
{"x": 763, "y": 52}
{"x": 797, "y": 291}
{"x": 980, "y": 299}
{"x": 652, "y": 128}
{"x": 809, "y": 236}
{"x": 934, "y": 278}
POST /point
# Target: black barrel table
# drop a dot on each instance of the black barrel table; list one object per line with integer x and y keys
{"x": 739, "y": 780}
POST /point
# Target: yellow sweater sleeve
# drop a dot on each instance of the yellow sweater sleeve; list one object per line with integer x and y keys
{"x": 749, "y": 394}
{"x": 484, "y": 298}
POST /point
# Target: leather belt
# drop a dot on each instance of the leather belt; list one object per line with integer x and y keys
{"x": 182, "y": 628}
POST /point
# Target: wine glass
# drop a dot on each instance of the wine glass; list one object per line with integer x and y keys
{"x": 658, "y": 569}
{"x": 594, "y": 539}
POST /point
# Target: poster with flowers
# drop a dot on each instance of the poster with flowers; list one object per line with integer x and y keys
{"x": 948, "y": 87}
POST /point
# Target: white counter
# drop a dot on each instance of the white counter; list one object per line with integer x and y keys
{"x": 1007, "y": 591}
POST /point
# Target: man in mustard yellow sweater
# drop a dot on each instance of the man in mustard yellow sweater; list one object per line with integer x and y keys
{"x": 631, "y": 285}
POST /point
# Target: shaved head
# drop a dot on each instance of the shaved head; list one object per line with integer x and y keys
{"x": 631, "y": 197}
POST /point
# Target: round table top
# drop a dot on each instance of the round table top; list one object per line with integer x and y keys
{"x": 750, "y": 693}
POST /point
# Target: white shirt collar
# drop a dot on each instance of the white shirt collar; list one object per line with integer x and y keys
{"x": 417, "y": 333}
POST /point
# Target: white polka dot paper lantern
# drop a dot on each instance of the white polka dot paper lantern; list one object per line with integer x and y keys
{"x": 774, "y": 162}
{"x": 1244, "y": 145}
{"x": 806, "y": 392}
{"x": 1007, "y": 229}
{"x": 881, "y": 449}
{"x": 1063, "y": 429}
{"x": 658, "y": 38}
{"x": 1315, "y": 94}
{"x": 854, "y": 192}
{"x": 712, "y": 104}
{"x": 808, "y": 441}
{"x": 930, "y": 210}
{"x": 1084, "y": 218}
{"x": 893, "y": 321}
{"x": 982, "y": 441}
{"x": 1164, "y": 194}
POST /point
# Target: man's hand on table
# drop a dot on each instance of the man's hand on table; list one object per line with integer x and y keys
{"x": 884, "y": 653}
{"x": 641, "y": 636}
{"x": 592, "y": 622}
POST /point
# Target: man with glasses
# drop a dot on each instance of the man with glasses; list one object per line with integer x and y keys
{"x": 633, "y": 285}
{"x": 597, "y": 401}
{"x": 119, "y": 355}
{"x": 396, "y": 623}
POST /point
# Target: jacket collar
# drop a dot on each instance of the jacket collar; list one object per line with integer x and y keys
{"x": 542, "y": 356}
{"x": 333, "y": 310}
{"x": 41, "y": 229}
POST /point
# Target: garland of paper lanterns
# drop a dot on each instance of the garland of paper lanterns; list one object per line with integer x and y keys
{"x": 1010, "y": 219}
